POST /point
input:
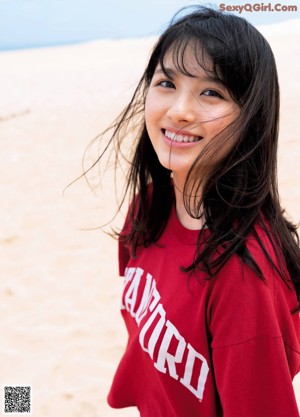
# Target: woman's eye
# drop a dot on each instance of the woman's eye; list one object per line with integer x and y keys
{"x": 211, "y": 93}
{"x": 166, "y": 84}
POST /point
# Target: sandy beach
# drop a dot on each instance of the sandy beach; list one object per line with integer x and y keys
{"x": 61, "y": 331}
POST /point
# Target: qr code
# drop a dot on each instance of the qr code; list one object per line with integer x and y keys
{"x": 17, "y": 399}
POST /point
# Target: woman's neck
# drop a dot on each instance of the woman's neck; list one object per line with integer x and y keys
{"x": 183, "y": 216}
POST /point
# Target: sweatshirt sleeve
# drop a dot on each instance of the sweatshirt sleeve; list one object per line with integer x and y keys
{"x": 123, "y": 255}
{"x": 123, "y": 250}
{"x": 253, "y": 379}
{"x": 254, "y": 358}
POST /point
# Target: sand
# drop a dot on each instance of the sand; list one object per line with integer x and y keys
{"x": 61, "y": 330}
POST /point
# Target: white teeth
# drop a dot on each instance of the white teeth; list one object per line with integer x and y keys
{"x": 180, "y": 138}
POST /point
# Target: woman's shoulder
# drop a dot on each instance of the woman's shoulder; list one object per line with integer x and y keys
{"x": 239, "y": 278}
{"x": 243, "y": 305}
{"x": 241, "y": 285}
{"x": 266, "y": 249}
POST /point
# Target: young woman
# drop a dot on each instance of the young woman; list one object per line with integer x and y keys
{"x": 211, "y": 265}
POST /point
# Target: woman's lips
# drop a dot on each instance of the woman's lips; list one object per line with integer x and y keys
{"x": 181, "y": 137}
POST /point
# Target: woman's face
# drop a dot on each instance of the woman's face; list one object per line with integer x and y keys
{"x": 183, "y": 114}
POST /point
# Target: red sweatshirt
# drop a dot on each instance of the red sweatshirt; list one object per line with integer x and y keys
{"x": 226, "y": 347}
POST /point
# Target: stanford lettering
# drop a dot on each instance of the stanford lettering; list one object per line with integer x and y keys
{"x": 157, "y": 334}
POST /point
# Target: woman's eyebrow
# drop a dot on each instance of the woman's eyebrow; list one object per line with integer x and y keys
{"x": 166, "y": 71}
{"x": 172, "y": 73}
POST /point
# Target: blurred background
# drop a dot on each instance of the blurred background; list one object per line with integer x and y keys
{"x": 32, "y": 23}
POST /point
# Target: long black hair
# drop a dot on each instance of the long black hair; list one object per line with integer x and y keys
{"x": 241, "y": 190}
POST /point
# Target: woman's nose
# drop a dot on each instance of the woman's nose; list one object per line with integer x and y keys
{"x": 183, "y": 109}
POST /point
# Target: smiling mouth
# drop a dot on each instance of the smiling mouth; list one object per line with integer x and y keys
{"x": 175, "y": 137}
